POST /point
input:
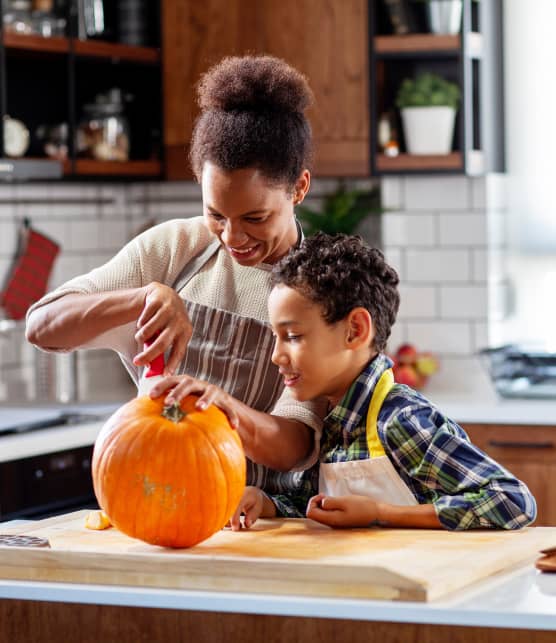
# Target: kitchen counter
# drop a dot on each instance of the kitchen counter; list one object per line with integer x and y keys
{"x": 461, "y": 389}
{"x": 91, "y": 580}
{"x": 509, "y": 607}
{"x": 524, "y": 598}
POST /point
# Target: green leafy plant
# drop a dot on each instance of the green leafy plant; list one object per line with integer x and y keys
{"x": 427, "y": 90}
{"x": 342, "y": 211}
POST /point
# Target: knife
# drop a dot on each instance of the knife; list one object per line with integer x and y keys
{"x": 152, "y": 375}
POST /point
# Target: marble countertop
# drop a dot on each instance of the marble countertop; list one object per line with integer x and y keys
{"x": 523, "y": 599}
{"x": 463, "y": 390}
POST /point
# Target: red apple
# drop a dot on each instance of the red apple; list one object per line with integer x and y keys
{"x": 406, "y": 354}
{"x": 406, "y": 374}
{"x": 427, "y": 364}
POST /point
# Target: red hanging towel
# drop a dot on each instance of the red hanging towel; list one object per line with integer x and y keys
{"x": 28, "y": 279}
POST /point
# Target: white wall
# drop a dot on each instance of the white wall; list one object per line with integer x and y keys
{"x": 530, "y": 96}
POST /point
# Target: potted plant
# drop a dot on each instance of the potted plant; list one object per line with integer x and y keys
{"x": 428, "y": 105}
{"x": 343, "y": 211}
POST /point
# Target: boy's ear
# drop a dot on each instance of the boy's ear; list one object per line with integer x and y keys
{"x": 359, "y": 328}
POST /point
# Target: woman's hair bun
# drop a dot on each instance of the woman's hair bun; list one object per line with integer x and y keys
{"x": 254, "y": 83}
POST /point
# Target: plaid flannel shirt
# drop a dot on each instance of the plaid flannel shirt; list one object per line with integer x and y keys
{"x": 431, "y": 453}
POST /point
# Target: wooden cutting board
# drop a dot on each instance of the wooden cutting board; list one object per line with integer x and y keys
{"x": 277, "y": 556}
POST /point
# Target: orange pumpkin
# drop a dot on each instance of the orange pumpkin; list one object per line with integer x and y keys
{"x": 170, "y": 476}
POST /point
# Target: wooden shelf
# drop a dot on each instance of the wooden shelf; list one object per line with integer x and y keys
{"x": 34, "y": 43}
{"x": 84, "y": 48}
{"x": 116, "y": 51}
{"x": 417, "y": 43}
{"x": 90, "y": 167}
{"x": 417, "y": 162}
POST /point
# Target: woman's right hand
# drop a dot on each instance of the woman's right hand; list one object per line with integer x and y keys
{"x": 165, "y": 318}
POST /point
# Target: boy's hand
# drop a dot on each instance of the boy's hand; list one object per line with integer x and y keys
{"x": 343, "y": 511}
{"x": 177, "y": 387}
{"x": 254, "y": 504}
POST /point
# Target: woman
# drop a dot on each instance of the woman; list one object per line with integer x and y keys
{"x": 196, "y": 289}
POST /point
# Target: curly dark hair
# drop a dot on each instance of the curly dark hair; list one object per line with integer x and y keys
{"x": 339, "y": 273}
{"x": 252, "y": 115}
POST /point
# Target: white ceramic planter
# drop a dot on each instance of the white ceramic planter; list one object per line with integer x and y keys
{"x": 444, "y": 16}
{"x": 428, "y": 130}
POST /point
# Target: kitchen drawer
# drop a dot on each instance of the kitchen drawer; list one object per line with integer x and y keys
{"x": 515, "y": 443}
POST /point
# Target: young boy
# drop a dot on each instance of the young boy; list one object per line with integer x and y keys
{"x": 388, "y": 457}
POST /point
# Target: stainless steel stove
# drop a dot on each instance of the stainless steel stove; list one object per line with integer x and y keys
{"x": 521, "y": 372}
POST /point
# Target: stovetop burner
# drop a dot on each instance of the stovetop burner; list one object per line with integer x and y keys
{"x": 520, "y": 372}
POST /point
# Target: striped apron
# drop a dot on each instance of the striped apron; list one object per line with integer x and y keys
{"x": 234, "y": 352}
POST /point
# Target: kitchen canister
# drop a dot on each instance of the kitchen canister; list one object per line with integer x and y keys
{"x": 132, "y": 22}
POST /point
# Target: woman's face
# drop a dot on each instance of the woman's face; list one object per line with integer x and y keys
{"x": 253, "y": 220}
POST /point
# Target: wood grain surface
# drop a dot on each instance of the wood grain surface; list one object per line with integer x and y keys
{"x": 278, "y": 556}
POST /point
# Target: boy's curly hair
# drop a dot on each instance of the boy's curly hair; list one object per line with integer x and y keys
{"x": 252, "y": 115}
{"x": 339, "y": 273}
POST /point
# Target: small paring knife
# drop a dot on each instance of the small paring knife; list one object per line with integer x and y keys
{"x": 152, "y": 375}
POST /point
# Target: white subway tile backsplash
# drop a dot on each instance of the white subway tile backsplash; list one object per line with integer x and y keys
{"x": 74, "y": 192}
{"x": 408, "y": 229}
{"x": 452, "y": 338}
{"x": 65, "y": 267}
{"x": 437, "y": 265}
{"x": 466, "y": 229}
{"x": 57, "y": 230}
{"x": 84, "y": 234}
{"x": 480, "y": 265}
{"x": 6, "y": 212}
{"x": 113, "y": 234}
{"x": 8, "y": 238}
{"x": 92, "y": 261}
{"x": 418, "y": 302}
{"x": 437, "y": 193}
{"x": 435, "y": 232}
{"x": 478, "y": 192}
{"x": 394, "y": 256}
{"x": 175, "y": 209}
{"x": 397, "y": 337}
{"x": 178, "y": 190}
{"x": 5, "y": 265}
{"x": 480, "y": 336}
{"x": 392, "y": 193}
{"x": 463, "y": 302}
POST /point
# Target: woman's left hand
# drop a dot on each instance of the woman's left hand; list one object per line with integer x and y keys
{"x": 179, "y": 386}
{"x": 342, "y": 511}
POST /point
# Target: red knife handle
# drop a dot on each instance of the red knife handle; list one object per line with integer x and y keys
{"x": 156, "y": 367}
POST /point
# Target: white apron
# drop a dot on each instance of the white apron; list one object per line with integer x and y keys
{"x": 375, "y": 478}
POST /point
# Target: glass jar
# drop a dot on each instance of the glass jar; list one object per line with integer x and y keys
{"x": 103, "y": 133}
{"x": 17, "y": 17}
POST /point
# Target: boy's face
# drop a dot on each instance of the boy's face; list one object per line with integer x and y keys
{"x": 311, "y": 354}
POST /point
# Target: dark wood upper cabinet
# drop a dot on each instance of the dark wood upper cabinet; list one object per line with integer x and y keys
{"x": 49, "y": 83}
{"x": 327, "y": 40}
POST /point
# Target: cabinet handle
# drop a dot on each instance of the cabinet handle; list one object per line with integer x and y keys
{"x": 521, "y": 445}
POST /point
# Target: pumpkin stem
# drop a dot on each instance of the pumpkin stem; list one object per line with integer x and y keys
{"x": 174, "y": 413}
